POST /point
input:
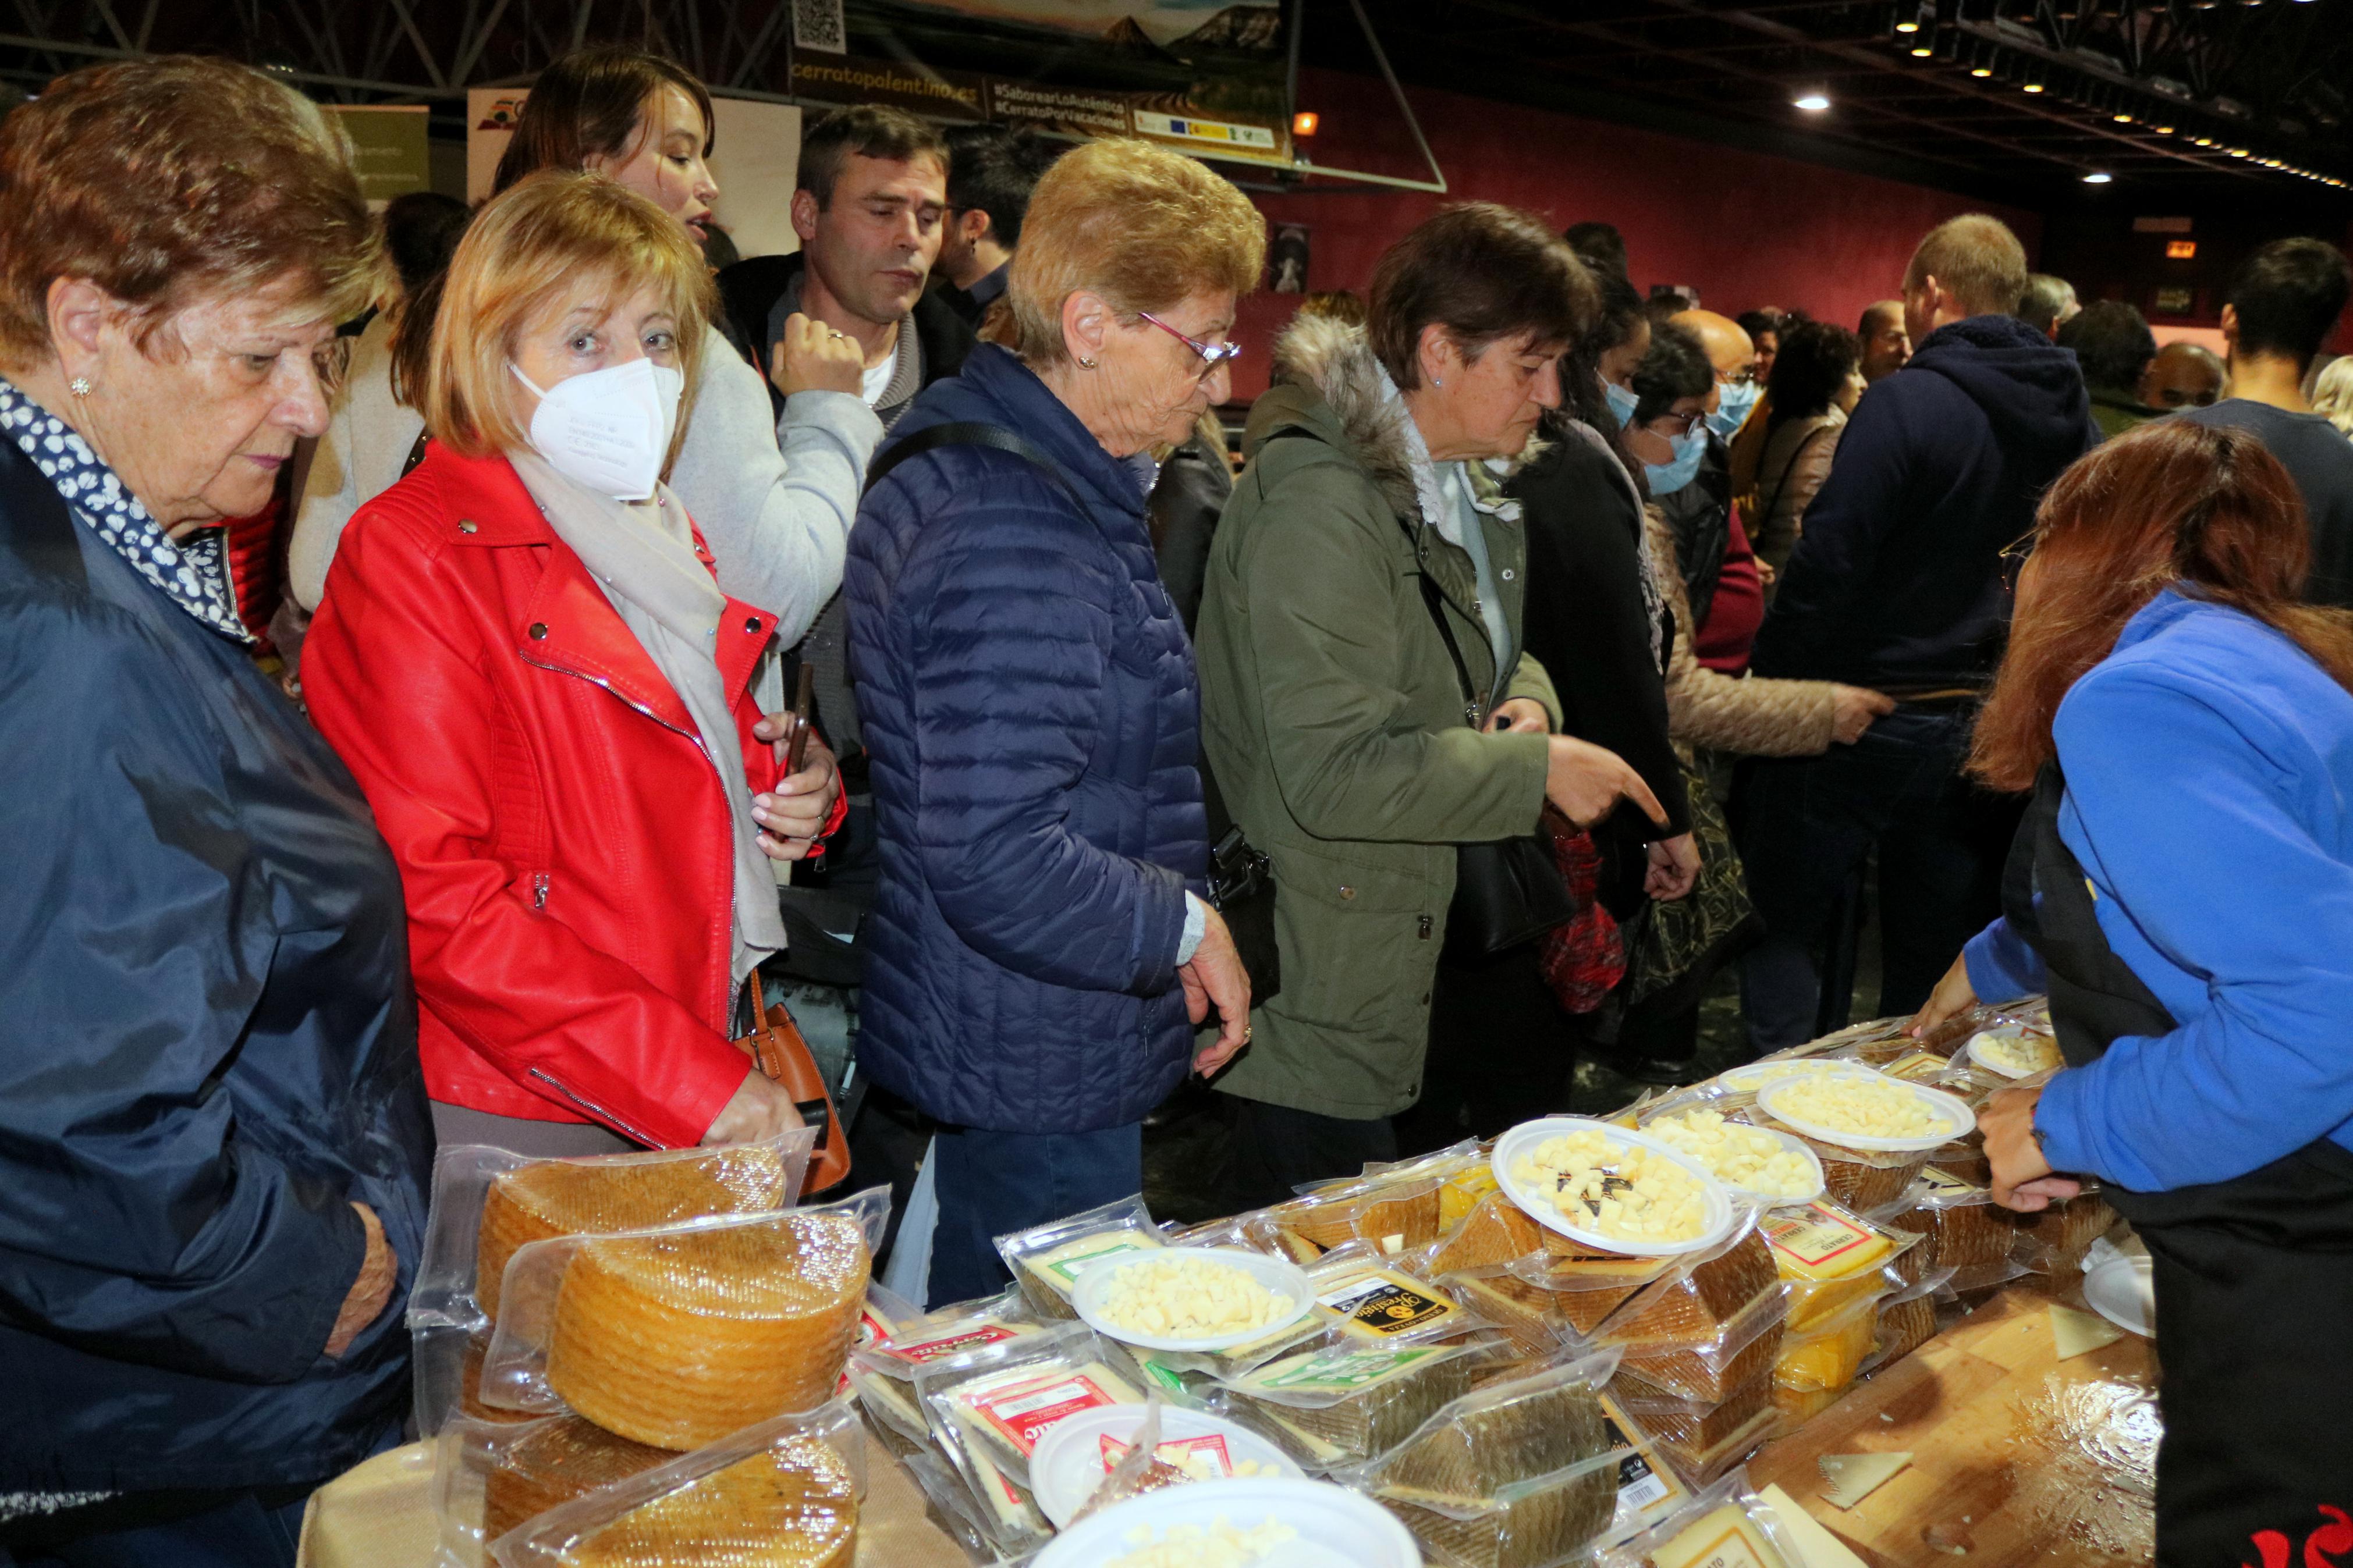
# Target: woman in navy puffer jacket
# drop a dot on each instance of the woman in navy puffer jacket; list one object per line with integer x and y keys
{"x": 1039, "y": 949}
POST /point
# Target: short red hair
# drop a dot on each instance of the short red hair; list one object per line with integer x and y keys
{"x": 169, "y": 180}
{"x": 2172, "y": 503}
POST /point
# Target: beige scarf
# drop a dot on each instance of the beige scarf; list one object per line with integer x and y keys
{"x": 642, "y": 554}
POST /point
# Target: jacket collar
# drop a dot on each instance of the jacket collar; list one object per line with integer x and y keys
{"x": 566, "y": 624}
{"x": 1020, "y": 401}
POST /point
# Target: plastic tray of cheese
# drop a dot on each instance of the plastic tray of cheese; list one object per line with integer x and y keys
{"x": 1611, "y": 1188}
{"x": 488, "y": 1202}
{"x": 679, "y": 1335}
{"x": 790, "y": 1503}
{"x": 1519, "y": 1474}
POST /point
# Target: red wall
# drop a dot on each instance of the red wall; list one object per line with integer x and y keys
{"x": 1743, "y": 228}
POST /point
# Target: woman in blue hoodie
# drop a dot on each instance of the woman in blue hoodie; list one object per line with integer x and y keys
{"x": 2183, "y": 887}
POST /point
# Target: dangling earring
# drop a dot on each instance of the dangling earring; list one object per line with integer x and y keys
{"x": 78, "y": 387}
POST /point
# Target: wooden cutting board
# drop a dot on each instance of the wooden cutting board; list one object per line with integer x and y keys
{"x": 2016, "y": 1455}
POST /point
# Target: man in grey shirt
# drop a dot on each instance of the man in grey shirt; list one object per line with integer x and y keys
{"x": 2280, "y": 308}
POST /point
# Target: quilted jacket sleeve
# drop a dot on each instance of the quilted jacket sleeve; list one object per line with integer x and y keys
{"x": 391, "y": 668}
{"x": 1009, "y": 641}
{"x": 1747, "y": 715}
{"x": 134, "y": 1222}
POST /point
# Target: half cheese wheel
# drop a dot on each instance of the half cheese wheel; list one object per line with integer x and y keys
{"x": 555, "y": 1462}
{"x": 681, "y": 1338}
{"x": 549, "y": 1198}
{"x": 789, "y": 1505}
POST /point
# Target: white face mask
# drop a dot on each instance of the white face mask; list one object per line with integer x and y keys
{"x": 609, "y": 429}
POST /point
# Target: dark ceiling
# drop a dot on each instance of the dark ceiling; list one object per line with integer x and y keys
{"x": 2188, "y": 97}
{"x": 2211, "y": 99}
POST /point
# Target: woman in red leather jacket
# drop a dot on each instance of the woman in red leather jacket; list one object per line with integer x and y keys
{"x": 524, "y": 658}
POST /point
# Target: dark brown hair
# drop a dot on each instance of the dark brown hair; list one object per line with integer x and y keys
{"x": 589, "y": 105}
{"x": 1482, "y": 271}
{"x": 869, "y": 131}
{"x": 2171, "y": 502}
{"x": 166, "y": 180}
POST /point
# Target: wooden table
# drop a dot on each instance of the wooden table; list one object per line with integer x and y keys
{"x": 2016, "y": 1455}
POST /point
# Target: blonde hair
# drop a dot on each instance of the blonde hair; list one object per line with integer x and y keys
{"x": 2332, "y": 394}
{"x": 1978, "y": 261}
{"x": 169, "y": 180}
{"x": 552, "y": 234}
{"x": 1139, "y": 224}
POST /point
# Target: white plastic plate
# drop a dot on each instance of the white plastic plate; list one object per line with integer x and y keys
{"x": 1524, "y": 1139}
{"x": 2122, "y": 1290}
{"x": 1757, "y": 1076}
{"x": 1337, "y": 1529}
{"x": 1796, "y": 1145}
{"x": 1993, "y": 1064}
{"x": 1958, "y": 1120}
{"x": 1278, "y": 1275}
{"x": 1069, "y": 1464}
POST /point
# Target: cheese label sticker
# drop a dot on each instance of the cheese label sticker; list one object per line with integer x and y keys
{"x": 1205, "y": 1459}
{"x": 1919, "y": 1067}
{"x": 1647, "y": 1491}
{"x": 1065, "y": 1268}
{"x": 873, "y": 1330}
{"x": 1339, "y": 1371}
{"x": 1945, "y": 1186}
{"x": 1814, "y": 1236}
{"x": 1021, "y": 1413}
{"x": 1385, "y": 1303}
{"x": 965, "y": 1339}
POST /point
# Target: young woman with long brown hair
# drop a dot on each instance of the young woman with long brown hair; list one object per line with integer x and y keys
{"x": 2183, "y": 887}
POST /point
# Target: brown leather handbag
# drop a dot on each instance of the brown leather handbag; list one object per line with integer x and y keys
{"x": 777, "y": 1048}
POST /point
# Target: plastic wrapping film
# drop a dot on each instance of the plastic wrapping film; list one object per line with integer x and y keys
{"x": 1544, "y": 1301}
{"x": 1862, "y": 1179}
{"x": 1726, "y": 1525}
{"x": 1649, "y": 1488}
{"x": 1493, "y": 1232}
{"x": 1392, "y": 1216}
{"x": 1707, "y": 1365}
{"x": 1830, "y": 1354}
{"x": 1520, "y": 1474}
{"x": 1904, "y": 1325}
{"x": 951, "y": 1330}
{"x": 490, "y": 1478}
{"x": 1046, "y": 1260}
{"x": 987, "y": 1409}
{"x": 1705, "y": 1436}
{"x": 1383, "y": 1300}
{"x": 1958, "y": 1216}
{"x": 783, "y": 1493}
{"x": 1347, "y": 1401}
{"x": 488, "y": 1202}
{"x": 1831, "y": 1257}
{"x": 2054, "y": 1240}
{"x": 446, "y": 1380}
{"x": 676, "y": 1335}
{"x": 1463, "y": 1172}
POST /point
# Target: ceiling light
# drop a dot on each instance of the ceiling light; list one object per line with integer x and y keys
{"x": 1981, "y": 69}
{"x": 2034, "y": 82}
{"x": 1921, "y": 48}
{"x": 2164, "y": 130}
{"x": 2238, "y": 152}
{"x": 2123, "y": 119}
{"x": 2032, "y": 87}
{"x": 2098, "y": 177}
{"x": 2205, "y": 141}
{"x": 1813, "y": 102}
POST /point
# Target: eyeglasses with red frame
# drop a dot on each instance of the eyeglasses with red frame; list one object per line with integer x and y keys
{"x": 1212, "y": 354}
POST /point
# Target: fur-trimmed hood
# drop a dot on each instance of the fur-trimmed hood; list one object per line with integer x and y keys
{"x": 1333, "y": 363}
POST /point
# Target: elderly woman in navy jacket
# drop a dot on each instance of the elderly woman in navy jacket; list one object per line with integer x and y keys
{"x": 1039, "y": 949}
{"x": 213, "y": 1133}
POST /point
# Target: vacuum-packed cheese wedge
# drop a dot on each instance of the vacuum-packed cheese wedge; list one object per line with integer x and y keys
{"x": 1726, "y": 1538}
{"x": 1707, "y": 1295}
{"x": 1831, "y": 1355}
{"x": 1904, "y": 1327}
{"x": 1360, "y": 1401}
{"x": 1496, "y": 1232}
{"x": 679, "y": 1337}
{"x": 1963, "y": 1226}
{"x": 793, "y": 1505}
{"x": 556, "y": 1461}
{"x": 1831, "y": 1259}
{"x": 549, "y": 1198}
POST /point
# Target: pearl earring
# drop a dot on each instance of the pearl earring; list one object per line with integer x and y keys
{"x": 1435, "y": 381}
{"x": 78, "y": 387}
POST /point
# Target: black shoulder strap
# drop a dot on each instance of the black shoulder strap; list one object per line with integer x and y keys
{"x": 932, "y": 438}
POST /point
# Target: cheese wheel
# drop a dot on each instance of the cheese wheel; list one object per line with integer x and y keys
{"x": 680, "y": 1338}
{"x": 553, "y": 1463}
{"x": 792, "y": 1505}
{"x": 549, "y": 1198}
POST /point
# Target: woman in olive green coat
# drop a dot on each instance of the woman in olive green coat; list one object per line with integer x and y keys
{"x": 1332, "y": 712}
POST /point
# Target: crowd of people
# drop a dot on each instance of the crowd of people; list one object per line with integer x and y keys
{"x": 893, "y": 621}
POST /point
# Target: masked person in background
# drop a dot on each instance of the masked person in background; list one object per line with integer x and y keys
{"x": 526, "y": 658}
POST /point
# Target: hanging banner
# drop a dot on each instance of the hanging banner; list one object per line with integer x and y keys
{"x": 388, "y": 148}
{"x": 491, "y": 115}
{"x": 1203, "y": 75}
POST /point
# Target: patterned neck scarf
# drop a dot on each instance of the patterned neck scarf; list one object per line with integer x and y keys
{"x": 194, "y": 573}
